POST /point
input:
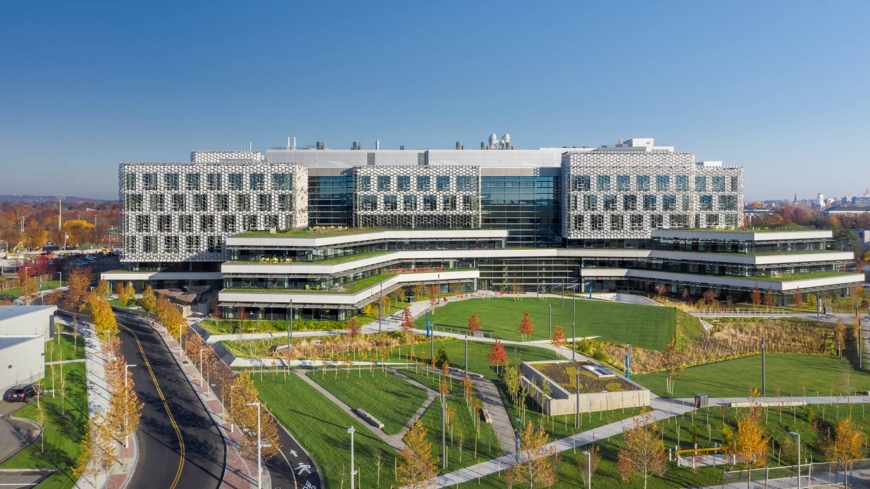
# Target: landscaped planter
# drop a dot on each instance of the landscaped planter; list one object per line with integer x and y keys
{"x": 600, "y": 389}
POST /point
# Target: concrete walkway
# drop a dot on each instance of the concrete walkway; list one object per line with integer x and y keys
{"x": 501, "y": 420}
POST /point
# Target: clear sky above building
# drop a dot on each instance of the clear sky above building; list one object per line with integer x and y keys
{"x": 778, "y": 87}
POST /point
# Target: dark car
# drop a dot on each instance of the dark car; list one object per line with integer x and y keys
{"x": 20, "y": 394}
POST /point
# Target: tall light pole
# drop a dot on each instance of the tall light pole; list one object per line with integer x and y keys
{"x": 798, "y": 436}
{"x": 232, "y": 421}
{"x": 466, "y": 354}
{"x": 126, "y": 368}
{"x": 59, "y": 212}
{"x": 519, "y": 434}
{"x": 201, "y": 369}
{"x": 352, "y": 472}
{"x": 577, "y": 415}
{"x": 61, "y": 279}
{"x": 550, "y": 320}
{"x": 381, "y": 308}
{"x": 289, "y": 332}
{"x": 588, "y": 469}
{"x": 573, "y": 340}
{"x": 763, "y": 386}
{"x": 443, "y": 433}
{"x": 259, "y": 448}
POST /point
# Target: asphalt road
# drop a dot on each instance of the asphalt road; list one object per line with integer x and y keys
{"x": 179, "y": 445}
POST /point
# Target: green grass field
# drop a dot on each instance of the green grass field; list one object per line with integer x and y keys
{"x": 791, "y": 374}
{"x": 65, "y": 346}
{"x": 462, "y": 437}
{"x": 644, "y": 326}
{"x": 62, "y": 433}
{"x": 321, "y": 427}
{"x": 18, "y": 291}
{"x": 389, "y": 398}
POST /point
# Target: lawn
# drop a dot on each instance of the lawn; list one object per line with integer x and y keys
{"x": 227, "y": 326}
{"x": 389, "y": 398}
{"x": 467, "y": 443}
{"x": 18, "y": 291}
{"x": 72, "y": 348}
{"x": 321, "y": 427}
{"x": 644, "y": 326}
{"x": 822, "y": 375}
{"x": 62, "y": 434}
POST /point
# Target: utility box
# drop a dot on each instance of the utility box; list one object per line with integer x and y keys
{"x": 701, "y": 400}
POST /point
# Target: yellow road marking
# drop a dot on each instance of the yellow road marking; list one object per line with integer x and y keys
{"x": 165, "y": 406}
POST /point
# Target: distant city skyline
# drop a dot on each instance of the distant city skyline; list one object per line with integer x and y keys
{"x": 773, "y": 87}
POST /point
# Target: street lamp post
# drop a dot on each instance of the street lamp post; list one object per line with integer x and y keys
{"x": 588, "y": 469}
{"x": 381, "y": 308}
{"x": 352, "y": 471}
{"x": 232, "y": 421}
{"x": 573, "y": 340}
{"x": 577, "y": 403}
{"x": 289, "y": 333}
{"x": 550, "y": 320}
{"x": 201, "y": 369}
{"x": 259, "y": 448}
{"x": 61, "y": 279}
{"x": 466, "y": 354}
{"x": 443, "y": 432}
{"x": 798, "y": 436}
{"x": 519, "y": 433}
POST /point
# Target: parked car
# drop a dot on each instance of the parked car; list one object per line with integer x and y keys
{"x": 20, "y": 394}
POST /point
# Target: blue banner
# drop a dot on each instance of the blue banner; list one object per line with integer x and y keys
{"x": 428, "y": 325}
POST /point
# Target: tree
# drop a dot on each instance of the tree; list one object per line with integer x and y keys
{"x": 848, "y": 444}
{"x": 170, "y": 317}
{"x": 755, "y": 296}
{"x": 96, "y": 450}
{"x": 750, "y": 442}
{"x": 28, "y": 284}
{"x": 769, "y": 298}
{"x": 840, "y": 336}
{"x": 672, "y": 361}
{"x": 644, "y": 452}
{"x": 584, "y": 465}
{"x": 535, "y": 468}
{"x": 433, "y": 296}
{"x": 43, "y": 421}
{"x": 105, "y": 325}
{"x": 798, "y": 298}
{"x": 130, "y": 294}
{"x": 353, "y": 328}
{"x": 473, "y": 323}
{"x": 662, "y": 290}
{"x": 407, "y": 322}
{"x": 417, "y": 290}
{"x": 148, "y": 300}
{"x": 79, "y": 284}
{"x": 34, "y": 235}
{"x": 709, "y": 297}
{"x": 526, "y": 328}
{"x": 417, "y": 468}
{"x": 497, "y": 355}
{"x": 244, "y": 416}
{"x": 558, "y": 340}
{"x": 125, "y": 410}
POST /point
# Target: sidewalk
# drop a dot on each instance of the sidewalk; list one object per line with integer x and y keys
{"x": 98, "y": 402}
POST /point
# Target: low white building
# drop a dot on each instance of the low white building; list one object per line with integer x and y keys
{"x": 22, "y": 360}
{"x": 27, "y": 321}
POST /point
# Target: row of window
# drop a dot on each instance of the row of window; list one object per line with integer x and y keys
{"x": 423, "y": 182}
{"x": 200, "y": 202}
{"x": 635, "y": 222}
{"x": 172, "y": 244}
{"x": 207, "y": 223}
{"x": 410, "y": 203}
{"x": 650, "y": 202}
{"x": 213, "y": 181}
{"x": 583, "y": 183}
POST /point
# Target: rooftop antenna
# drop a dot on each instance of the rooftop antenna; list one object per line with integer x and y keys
{"x": 59, "y": 212}
{"x": 288, "y": 142}
{"x": 294, "y": 142}
{"x": 250, "y": 146}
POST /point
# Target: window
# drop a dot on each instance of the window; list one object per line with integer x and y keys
{"x": 603, "y": 183}
{"x": 164, "y": 223}
{"x": 578, "y": 221}
{"x": 149, "y": 181}
{"x": 610, "y": 202}
{"x": 731, "y": 220}
{"x": 679, "y": 221}
{"x": 581, "y": 183}
{"x": 236, "y": 181}
{"x": 192, "y": 243}
{"x": 143, "y": 224}
{"x": 364, "y": 183}
{"x": 157, "y": 202}
{"x": 131, "y": 181}
{"x": 663, "y": 183}
{"x": 243, "y": 203}
{"x": 391, "y": 203}
{"x": 685, "y": 199}
{"x": 258, "y": 181}
{"x": 617, "y": 222}
{"x": 249, "y": 223}
{"x": 270, "y": 221}
{"x": 449, "y": 202}
{"x": 718, "y": 184}
{"x": 623, "y": 183}
{"x": 597, "y": 222}
{"x": 643, "y": 183}
{"x": 701, "y": 184}
{"x": 170, "y": 181}
{"x": 629, "y": 202}
{"x": 649, "y": 202}
{"x": 384, "y": 183}
{"x": 669, "y": 203}
{"x": 264, "y": 203}
{"x": 706, "y": 202}
{"x": 409, "y": 202}
{"x": 134, "y": 203}
{"x": 734, "y": 185}
{"x": 682, "y": 183}
{"x": 192, "y": 181}
{"x": 403, "y": 183}
{"x": 728, "y": 202}
{"x": 423, "y": 183}
{"x": 590, "y": 202}
{"x": 430, "y": 203}
{"x": 469, "y": 203}
{"x": 228, "y": 224}
{"x": 442, "y": 183}
{"x": 368, "y": 202}
{"x": 178, "y": 203}
{"x": 712, "y": 220}
{"x": 657, "y": 221}
{"x": 185, "y": 224}
{"x": 130, "y": 244}
{"x": 200, "y": 203}
{"x": 285, "y": 202}
{"x": 222, "y": 202}
{"x": 282, "y": 181}
{"x": 637, "y": 222}
{"x": 466, "y": 183}
{"x": 213, "y": 180}
{"x": 149, "y": 244}
{"x": 214, "y": 244}
{"x": 170, "y": 244}
{"x": 206, "y": 224}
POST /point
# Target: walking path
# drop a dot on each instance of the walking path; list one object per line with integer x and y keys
{"x": 501, "y": 420}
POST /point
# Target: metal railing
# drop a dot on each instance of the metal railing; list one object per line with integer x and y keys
{"x": 819, "y": 474}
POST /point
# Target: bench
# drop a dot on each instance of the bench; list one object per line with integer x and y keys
{"x": 459, "y": 371}
{"x": 368, "y": 418}
{"x": 486, "y": 417}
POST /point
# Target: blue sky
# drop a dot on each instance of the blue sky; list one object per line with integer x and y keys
{"x": 779, "y": 87}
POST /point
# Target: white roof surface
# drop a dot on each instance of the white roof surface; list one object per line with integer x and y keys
{"x": 8, "y": 312}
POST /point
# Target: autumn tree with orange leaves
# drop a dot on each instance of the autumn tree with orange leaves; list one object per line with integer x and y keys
{"x": 526, "y": 328}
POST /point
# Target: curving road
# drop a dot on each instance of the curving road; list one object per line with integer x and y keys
{"x": 179, "y": 445}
